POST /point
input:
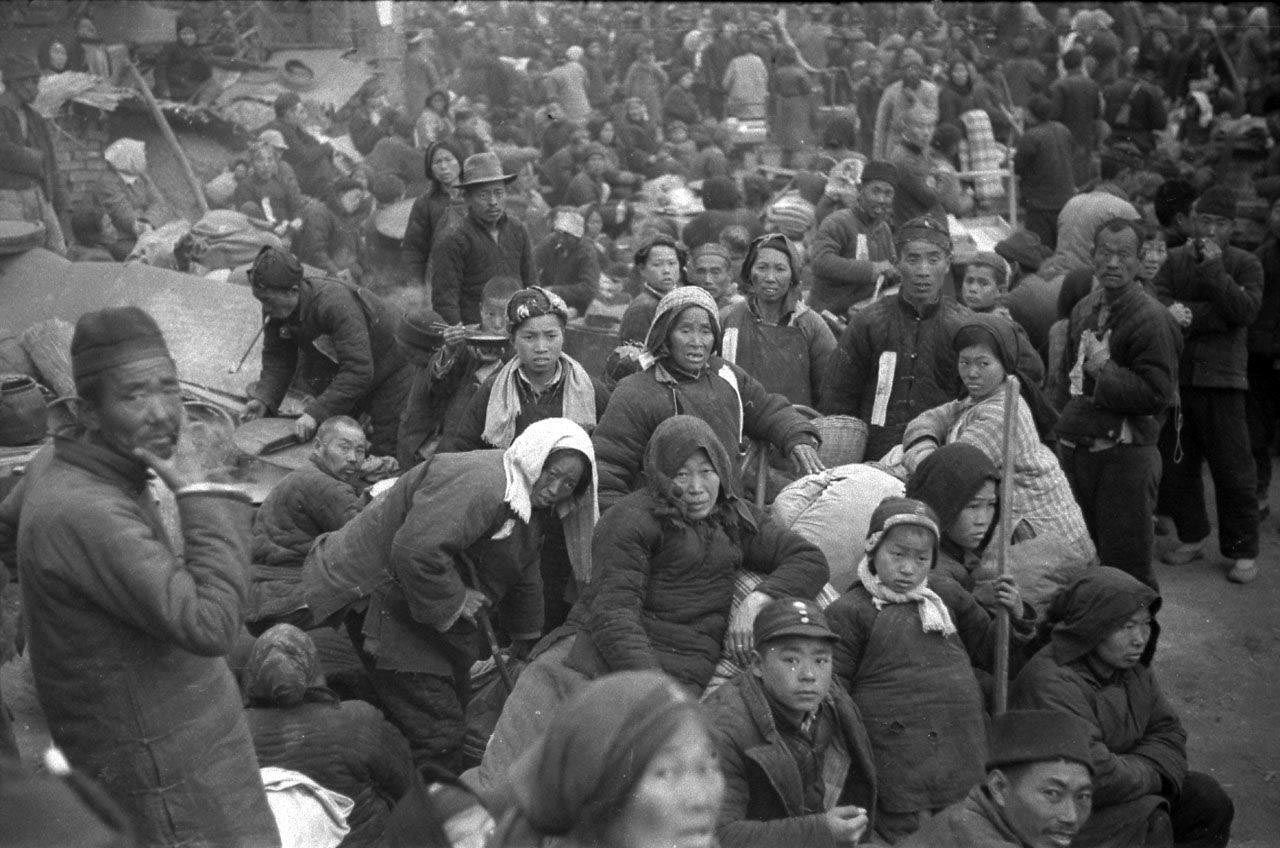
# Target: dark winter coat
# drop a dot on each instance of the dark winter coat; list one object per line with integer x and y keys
{"x": 365, "y": 133}
{"x": 763, "y": 802}
{"x": 568, "y": 266}
{"x": 329, "y": 239}
{"x": 360, "y": 326}
{"x": 347, "y": 747}
{"x": 1042, "y": 161}
{"x": 437, "y": 401}
{"x": 840, "y": 278}
{"x": 431, "y": 215}
{"x": 707, "y": 226}
{"x": 1264, "y": 332}
{"x": 466, "y": 257}
{"x": 1224, "y": 296}
{"x": 789, "y": 358}
{"x": 182, "y": 71}
{"x": 306, "y": 503}
{"x": 28, "y": 161}
{"x": 310, "y": 158}
{"x": 127, "y": 638}
{"x": 282, "y": 189}
{"x": 661, "y": 588}
{"x": 1139, "y": 747}
{"x": 1077, "y": 103}
{"x": 465, "y": 432}
{"x": 1147, "y": 112}
{"x": 1138, "y": 384}
{"x": 975, "y": 822}
{"x": 919, "y": 698}
{"x": 639, "y": 316}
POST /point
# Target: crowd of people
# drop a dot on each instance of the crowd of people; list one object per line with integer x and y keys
{"x": 569, "y": 617}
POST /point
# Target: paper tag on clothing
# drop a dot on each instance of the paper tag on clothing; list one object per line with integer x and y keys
{"x": 884, "y": 387}
{"x": 267, "y": 210}
{"x": 862, "y": 253}
{"x": 504, "y": 531}
{"x": 729, "y": 345}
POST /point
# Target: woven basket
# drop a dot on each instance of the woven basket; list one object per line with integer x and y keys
{"x": 844, "y": 439}
{"x": 48, "y": 343}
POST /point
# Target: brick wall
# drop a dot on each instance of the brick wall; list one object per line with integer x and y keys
{"x": 79, "y": 142}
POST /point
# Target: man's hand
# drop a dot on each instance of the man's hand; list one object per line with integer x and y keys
{"x": 741, "y": 638}
{"x": 304, "y": 428}
{"x": 472, "y": 603}
{"x": 846, "y": 824}
{"x": 167, "y": 470}
{"x": 1210, "y": 250}
{"x": 1181, "y": 313}
{"x": 1007, "y": 595}
{"x": 805, "y": 458}
{"x": 253, "y": 410}
{"x": 455, "y": 335}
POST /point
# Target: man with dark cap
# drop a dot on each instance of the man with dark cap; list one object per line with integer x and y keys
{"x": 310, "y": 158}
{"x": 371, "y": 373}
{"x": 1042, "y": 163}
{"x": 487, "y": 243}
{"x": 853, "y": 249}
{"x": 794, "y": 751}
{"x": 127, "y": 637}
{"x": 1037, "y": 794}
{"x": 1097, "y": 668}
{"x": 1213, "y": 291}
{"x": 31, "y": 188}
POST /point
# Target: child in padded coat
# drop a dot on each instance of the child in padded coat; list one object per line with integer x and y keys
{"x": 909, "y": 641}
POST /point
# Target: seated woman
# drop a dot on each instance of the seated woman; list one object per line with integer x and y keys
{"x": 909, "y": 641}
{"x": 628, "y": 762}
{"x": 682, "y": 373}
{"x": 299, "y": 724}
{"x": 773, "y": 335}
{"x": 1102, "y": 637}
{"x": 128, "y": 195}
{"x": 1044, "y": 510}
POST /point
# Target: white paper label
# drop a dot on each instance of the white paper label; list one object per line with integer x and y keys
{"x": 884, "y": 387}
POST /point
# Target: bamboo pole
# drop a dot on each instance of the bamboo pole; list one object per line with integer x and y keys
{"x": 1000, "y": 695}
{"x": 197, "y": 190}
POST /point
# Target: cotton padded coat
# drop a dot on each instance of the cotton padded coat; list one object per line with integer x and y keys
{"x": 763, "y": 794}
{"x": 127, "y": 639}
{"x": 299, "y": 508}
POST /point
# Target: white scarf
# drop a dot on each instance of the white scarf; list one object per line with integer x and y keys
{"x": 934, "y": 615}
{"x": 578, "y": 403}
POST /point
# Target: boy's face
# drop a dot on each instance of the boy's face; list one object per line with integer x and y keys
{"x": 493, "y": 315}
{"x": 979, "y": 290}
{"x": 904, "y": 558}
{"x": 795, "y": 670}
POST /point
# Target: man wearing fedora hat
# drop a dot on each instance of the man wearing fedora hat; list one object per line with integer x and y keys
{"x": 31, "y": 188}
{"x": 486, "y": 243}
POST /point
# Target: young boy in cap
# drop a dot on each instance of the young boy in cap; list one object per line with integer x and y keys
{"x": 909, "y": 642}
{"x": 372, "y": 375}
{"x": 31, "y": 187}
{"x": 1038, "y": 791}
{"x": 795, "y": 756}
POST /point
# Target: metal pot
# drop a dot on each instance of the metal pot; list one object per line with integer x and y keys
{"x": 23, "y": 417}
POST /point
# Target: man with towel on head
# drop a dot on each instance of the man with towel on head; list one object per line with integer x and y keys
{"x": 357, "y": 330}
{"x": 126, "y": 635}
{"x": 567, "y": 263}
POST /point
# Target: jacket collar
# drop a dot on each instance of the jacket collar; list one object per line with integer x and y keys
{"x": 792, "y": 307}
{"x": 909, "y": 308}
{"x": 980, "y": 799}
{"x": 92, "y": 456}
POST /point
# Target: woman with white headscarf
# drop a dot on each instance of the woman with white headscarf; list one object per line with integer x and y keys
{"x": 127, "y": 194}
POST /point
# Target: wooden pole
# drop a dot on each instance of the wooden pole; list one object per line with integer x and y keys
{"x": 1000, "y": 695}
{"x": 197, "y": 190}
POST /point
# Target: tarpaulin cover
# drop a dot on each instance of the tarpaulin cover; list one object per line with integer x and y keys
{"x": 336, "y": 81}
{"x": 208, "y": 324}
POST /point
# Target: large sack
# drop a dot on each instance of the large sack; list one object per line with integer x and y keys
{"x": 833, "y": 511}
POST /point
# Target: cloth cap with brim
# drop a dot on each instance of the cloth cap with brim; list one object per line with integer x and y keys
{"x": 784, "y": 617}
{"x": 1020, "y": 737}
{"x": 1217, "y": 200}
{"x": 879, "y": 171}
{"x": 898, "y": 512}
{"x": 273, "y": 138}
{"x": 112, "y": 337}
{"x": 1024, "y": 248}
{"x": 994, "y": 261}
{"x": 274, "y": 268}
{"x": 421, "y": 330}
{"x": 924, "y": 228}
{"x": 19, "y": 66}
{"x": 483, "y": 169}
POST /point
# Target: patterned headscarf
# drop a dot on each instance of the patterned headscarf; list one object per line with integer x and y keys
{"x": 534, "y": 302}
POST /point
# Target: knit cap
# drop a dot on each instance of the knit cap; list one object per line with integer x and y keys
{"x": 274, "y": 268}
{"x": 897, "y": 512}
{"x": 112, "y": 337}
{"x": 791, "y": 216}
{"x": 1037, "y": 736}
{"x": 877, "y": 170}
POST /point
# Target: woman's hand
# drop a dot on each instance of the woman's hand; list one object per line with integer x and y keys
{"x": 741, "y": 639}
{"x": 805, "y": 458}
{"x": 1008, "y": 596}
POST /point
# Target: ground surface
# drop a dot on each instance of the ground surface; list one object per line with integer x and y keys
{"x": 1219, "y": 662}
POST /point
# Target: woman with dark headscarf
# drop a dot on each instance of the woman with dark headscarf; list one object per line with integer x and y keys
{"x": 1102, "y": 635}
{"x": 183, "y": 72}
{"x": 682, "y": 373}
{"x": 773, "y": 335}
{"x": 299, "y": 724}
{"x": 1043, "y": 507}
{"x": 625, "y": 763}
{"x": 433, "y": 211}
{"x": 961, "y": 485}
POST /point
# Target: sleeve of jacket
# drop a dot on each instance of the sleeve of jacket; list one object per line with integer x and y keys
{"x": 380, "y": 751}
{"x": 1146, "y": 385}
{"x": 829, "y": 248}
{"x": 579, "y": 286}
{"x": 622, "y": 549}
{"x": 522, "y": 608}
{"x": 112, "y": 197}
{"x": 620, "y": 439}
{"x": 528, "y": 268}
{"x": 333, "y": 507}
{"x": 931, "y": 425}
{"x": 796, "y": 568}
{"x": 1118, "y": 778}
{"x": 448, "y": 268}
{"x": 1235, "y": 297}
{"x": 194, "y": 600}
{"x": 464, "y": 433}
{"x": 771, "y": 417}
{"x": 14, "y": 155}
{"x": 292, "y": 191}
{"x": 976, "y": 627}
{"x": 1029, "y": 362}
{"x": 341, "y": 318}
{"x": 852, "y": 623}
{"x": 848, "y": 371}
{"x": 313, "y": 241}
{"x": 822, "y": 348}
{"x": 1165, "y": 741}
{"x": 279, "y": 361}
{"x": 415, "y": 247}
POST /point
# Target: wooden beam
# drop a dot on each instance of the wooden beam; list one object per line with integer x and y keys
{"x": 197, "y": 190}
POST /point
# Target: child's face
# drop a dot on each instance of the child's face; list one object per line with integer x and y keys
{"x": 904, "y": 558}
{"x": 979, "y": 289}
{"x": 493, "y": 315}
{"x": 796, "y": 671}
{"x": 973, "y": 522}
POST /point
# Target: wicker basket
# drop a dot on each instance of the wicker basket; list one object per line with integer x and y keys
{"x": 844, "y": 439}
{"x": 48, "y": 343}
